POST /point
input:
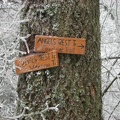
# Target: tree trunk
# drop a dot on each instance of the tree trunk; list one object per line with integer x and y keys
{"x": 76, "y": 83}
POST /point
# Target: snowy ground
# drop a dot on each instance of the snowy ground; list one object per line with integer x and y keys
{"x": 110, "y": 54}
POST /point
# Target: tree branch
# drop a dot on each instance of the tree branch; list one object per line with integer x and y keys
{"x": 110, "y": 84}
{"x": 34, "y": 113}
{"x": 110, "y": 58}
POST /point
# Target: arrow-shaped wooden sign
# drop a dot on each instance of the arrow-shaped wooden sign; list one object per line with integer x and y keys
{"x": 37, "y": 62}
{"x": 61, "y": 44}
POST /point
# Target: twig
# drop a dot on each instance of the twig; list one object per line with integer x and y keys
{"x": 110, "y": 58}
{"x": 110, "y": 84}
{"x": 34, "y": 113}
{"x": 16, "y": 117}
{"x": 14, "y": 22}
{"x": 106, "y": 16}
{"x": 113, "y": 110}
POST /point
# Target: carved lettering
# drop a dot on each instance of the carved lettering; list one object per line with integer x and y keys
{"x": 47, "y": 41}
{"x": 74, "y": 42}
{"x": 60, "y": 50}
{"x": 37, "y": 62}
{"x": 61, "y": 44}
{"x": 54, "y": 62}
{"x": 35, "y": 66}
{"x": 70, "y": 50}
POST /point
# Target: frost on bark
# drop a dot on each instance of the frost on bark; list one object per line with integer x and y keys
{"x": 76, "y": 83}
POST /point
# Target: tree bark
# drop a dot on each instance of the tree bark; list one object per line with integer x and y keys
{"x": 76, "y": 83}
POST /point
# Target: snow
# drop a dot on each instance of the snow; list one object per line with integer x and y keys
{"x": 110, "y": 47}
{"x": 8, "y": 46}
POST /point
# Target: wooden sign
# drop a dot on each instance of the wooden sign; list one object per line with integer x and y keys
{"x": 37, "y": 62}
{"x": 61, "y": 44}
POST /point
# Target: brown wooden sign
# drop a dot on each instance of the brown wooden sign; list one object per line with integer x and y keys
{"x": 37, "y": 62}
{"x": 61, "y": 44}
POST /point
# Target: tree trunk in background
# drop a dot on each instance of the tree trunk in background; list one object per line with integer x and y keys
{"x": 76, "y": 83}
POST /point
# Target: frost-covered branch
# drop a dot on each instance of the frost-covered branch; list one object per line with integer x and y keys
{"x": 117, "y": 77}
{"x": 110, "y": 58}
{"x": 34, "y": 113}
{"x": 9, "y": 46}
{"x": 114, "y": 110}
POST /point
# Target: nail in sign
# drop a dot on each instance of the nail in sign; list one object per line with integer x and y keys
{"x": 37, "y": 62}
{"x": 61, "y": 44}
